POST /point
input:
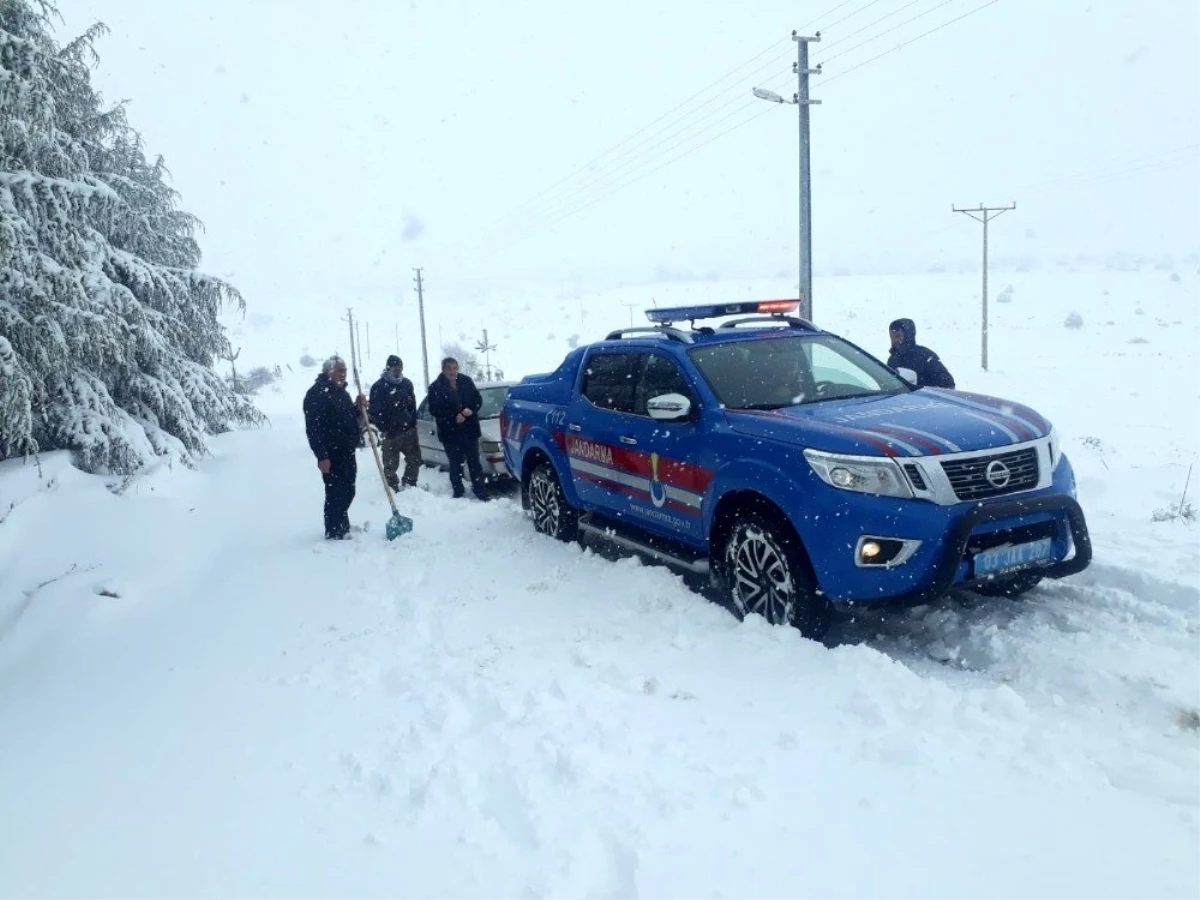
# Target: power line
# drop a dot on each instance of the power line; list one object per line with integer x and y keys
{"x": 667, "y": 132}
{"x": 587, "y": 165}
{"x": 1150, "y": 162}
{"x": 868, "y": 26}
{"x": 845, "y": 18}
{"x": 872, "y": 39}
{"x": 548, "y": 225}
{"x": 909, "y": 41}
{"x": 589, "y": 191}
{"x": 624, "y": 161}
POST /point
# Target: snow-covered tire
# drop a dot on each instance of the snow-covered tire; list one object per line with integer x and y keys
{"x": 765, "y": 572}
{"x": 548, "y": 506}
{"x": 1008, "y": 586}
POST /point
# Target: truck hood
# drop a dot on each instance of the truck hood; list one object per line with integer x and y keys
{"x": 925, "y": 422}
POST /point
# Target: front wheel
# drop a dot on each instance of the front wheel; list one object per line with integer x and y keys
{"x": 552, "y": 515}
{"x": 766, "y": 574}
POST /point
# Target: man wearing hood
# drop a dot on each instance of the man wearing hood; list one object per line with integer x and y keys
{"x": 394, "y": 412}
{"x": 908, "y": 354}
{"x": 331, "y": 421}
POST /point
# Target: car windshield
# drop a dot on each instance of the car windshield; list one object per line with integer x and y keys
{"x": 493, "y": 401}
{"x": 771, "y": 372}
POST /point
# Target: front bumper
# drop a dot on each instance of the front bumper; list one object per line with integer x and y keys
{"x": 952, "y": 564}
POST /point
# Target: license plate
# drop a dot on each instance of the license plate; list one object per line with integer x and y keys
{"x": 1013, "y": 556}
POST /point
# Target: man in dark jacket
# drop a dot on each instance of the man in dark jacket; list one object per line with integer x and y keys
{"x": 454, "y": 402}
{"x": 908, "y": 354}
{"x": 332, "y": 422}
{"x": 394, "y": 413}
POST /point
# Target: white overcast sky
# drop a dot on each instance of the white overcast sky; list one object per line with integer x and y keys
{"x": 336, "y": 145}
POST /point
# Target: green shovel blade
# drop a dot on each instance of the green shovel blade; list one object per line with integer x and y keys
{"x": 398, "y": 525}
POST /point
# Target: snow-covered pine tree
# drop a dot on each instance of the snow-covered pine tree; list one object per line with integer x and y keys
{"x": 108, "y": 332}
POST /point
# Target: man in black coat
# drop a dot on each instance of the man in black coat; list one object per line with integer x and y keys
{"x": 331, "y": 420}
{"x": 454, "y": 402}
{"x": 908, "y": 354}
{"x": 394, "y": 412}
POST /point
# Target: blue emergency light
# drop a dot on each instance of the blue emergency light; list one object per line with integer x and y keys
{"x": 713, "y": 310}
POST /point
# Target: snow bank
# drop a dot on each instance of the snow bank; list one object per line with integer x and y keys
{"x": 215, "y": 701}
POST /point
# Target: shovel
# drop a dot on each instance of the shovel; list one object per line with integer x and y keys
{"x": 397, "y": 525}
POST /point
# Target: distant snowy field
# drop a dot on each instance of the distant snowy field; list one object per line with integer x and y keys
{"x": 199, "y": 696}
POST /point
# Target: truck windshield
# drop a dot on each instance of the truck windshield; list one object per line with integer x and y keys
{"x": 772, "y": 372}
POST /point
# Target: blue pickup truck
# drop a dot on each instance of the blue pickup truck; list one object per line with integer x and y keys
{"x": 793, "y": 470}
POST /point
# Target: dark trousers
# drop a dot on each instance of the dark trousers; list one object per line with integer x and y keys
{"x": 405, "y": 443}
{"x": 339, "y": 494}
{"x": 459, "y": 450}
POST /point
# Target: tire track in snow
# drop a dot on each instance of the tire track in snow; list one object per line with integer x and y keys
{"x": 1112, "y": 645}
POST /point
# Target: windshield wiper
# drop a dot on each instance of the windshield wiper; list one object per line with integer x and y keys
{"x": 763, "y": 406}
{"x": 852, "y": 396}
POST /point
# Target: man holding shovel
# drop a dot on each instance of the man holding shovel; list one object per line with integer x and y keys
{"x": 331, "y": 420}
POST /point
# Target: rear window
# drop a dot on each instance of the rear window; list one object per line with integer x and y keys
{"x": 609, "y": 380}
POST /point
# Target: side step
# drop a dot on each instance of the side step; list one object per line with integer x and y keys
{"x": 664, "y": 551}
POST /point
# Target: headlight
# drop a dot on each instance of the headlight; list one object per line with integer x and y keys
{"x": 1055, "y": 449}
{"x": 864, "y": 474}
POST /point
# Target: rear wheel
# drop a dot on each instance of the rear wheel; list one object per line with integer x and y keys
{"x": 766, "y": 573}
{"x": 1007, "y": 586}
{"x": 552, "y": 515}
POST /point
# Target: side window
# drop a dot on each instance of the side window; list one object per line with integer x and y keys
{"x": 608, "y": 380}
{"x": 660, "y": 376}
{"x": 423, "y": 409}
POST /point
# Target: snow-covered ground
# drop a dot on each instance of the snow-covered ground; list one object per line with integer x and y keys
{"x": 199, "y": 696}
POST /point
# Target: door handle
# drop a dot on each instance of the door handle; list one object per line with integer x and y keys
{"x": 575, "y": 427}
{"x": 625, "y": 439}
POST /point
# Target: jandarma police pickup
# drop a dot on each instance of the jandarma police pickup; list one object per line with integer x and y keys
{"x": 790, "y": 467}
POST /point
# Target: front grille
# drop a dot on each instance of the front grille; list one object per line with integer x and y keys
{"x": 969, "y": 478}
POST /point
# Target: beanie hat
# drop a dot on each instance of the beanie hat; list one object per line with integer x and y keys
{"x": 394, "y": 360}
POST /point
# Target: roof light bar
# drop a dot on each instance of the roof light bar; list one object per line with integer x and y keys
{"x": 715, "y": 310}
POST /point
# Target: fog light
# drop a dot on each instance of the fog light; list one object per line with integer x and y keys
{"x": 883, "y": 553}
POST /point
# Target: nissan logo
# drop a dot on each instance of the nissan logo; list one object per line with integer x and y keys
{"x": 997, "y": 474}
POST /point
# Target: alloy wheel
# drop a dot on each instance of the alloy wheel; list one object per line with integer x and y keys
{"x": 544, "y": 503}
{"x": 762, "y": 577}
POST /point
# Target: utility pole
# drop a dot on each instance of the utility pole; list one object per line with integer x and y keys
{"x": 984, "y": 214}
{"x": 631, "y": 306}
{"x": 421, "y": 310}
{"x": 802, "y": 101}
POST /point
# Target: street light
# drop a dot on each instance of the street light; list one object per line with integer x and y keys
{"x": 763, "y": 94}
{"x": 802, "y": 102}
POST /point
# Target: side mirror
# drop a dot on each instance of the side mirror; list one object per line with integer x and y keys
{"x": 669, "y": 407}
{"x": 908, "y": 375}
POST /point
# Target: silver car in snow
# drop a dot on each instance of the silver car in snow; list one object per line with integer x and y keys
{"x": 491, "y": 452}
